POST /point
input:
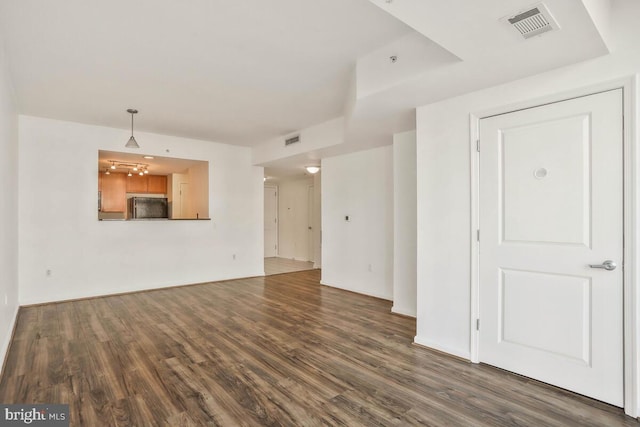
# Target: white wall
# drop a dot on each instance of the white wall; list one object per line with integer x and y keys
{"x": 404, "y": 223}
{"x": 8, "y": 207}
{"x": 293, "y": 218}
{"x": 357, "y": 255}
{"x": 59, "y": 230}
{"x": 443, "y": 179}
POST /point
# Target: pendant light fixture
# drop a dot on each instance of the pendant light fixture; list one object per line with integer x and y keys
{"x": 132, "y": 143}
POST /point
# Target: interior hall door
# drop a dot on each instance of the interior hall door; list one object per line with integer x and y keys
{"x": 270, "y": 221}
{"x": 551, "y": 244}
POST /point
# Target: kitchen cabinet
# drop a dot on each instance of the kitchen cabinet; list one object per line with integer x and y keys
{"x": 153, "y": 184}
{"x": 114, "y": 192}
{"x": 157, "y": 184}
{"x": 137, "y": 184}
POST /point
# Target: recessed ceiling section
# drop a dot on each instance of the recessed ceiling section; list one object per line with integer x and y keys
{"x": 491, "y": 51}
{"x": 459, "y": 46}
{"x": 291, "y": 167}
{"x": 399, "y": 61}
{"x": 472, "y": 29}
{"x": 311, "y": 139}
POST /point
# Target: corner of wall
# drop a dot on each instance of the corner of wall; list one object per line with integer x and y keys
{"x": 425, "y": 342}
{"x": 6, "y": 344}
{"x": 404, "y": 223}
{"x": 405, "y": 311}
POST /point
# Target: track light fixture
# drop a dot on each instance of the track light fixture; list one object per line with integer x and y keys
{"x": 139, "y": 168}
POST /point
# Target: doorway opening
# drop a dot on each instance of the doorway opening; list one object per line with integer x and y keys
{"x": 292, "y": 223}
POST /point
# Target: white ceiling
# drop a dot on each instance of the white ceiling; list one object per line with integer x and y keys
{"x": 245, "y": 72}
{"x": 229, "y": 71}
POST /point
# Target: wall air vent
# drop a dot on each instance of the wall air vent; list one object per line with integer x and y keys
{"x": 292, "y": 140}
{"x": 533, "y": 22}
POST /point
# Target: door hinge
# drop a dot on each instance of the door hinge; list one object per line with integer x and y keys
{"x": 478, "y": 235}
{"x": 478, "y": 145}
{"x": 477, "y": 324}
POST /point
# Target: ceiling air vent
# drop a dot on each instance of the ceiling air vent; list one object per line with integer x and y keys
{"x": 292, "y": 140}
{"x": 533, "y": 22}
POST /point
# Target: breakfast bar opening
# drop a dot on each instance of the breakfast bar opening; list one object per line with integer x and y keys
{"x": 135, "y": 186}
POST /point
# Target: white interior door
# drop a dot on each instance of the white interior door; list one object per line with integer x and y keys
{"x": 270, "y": 221}
{"x": 550, "y": 205}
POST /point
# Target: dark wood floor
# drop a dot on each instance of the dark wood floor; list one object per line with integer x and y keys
{"x": 281, "y": 350}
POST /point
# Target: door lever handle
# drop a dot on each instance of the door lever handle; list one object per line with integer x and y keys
{"x": 607, "y": 265}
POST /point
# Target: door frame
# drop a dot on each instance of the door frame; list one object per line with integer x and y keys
{"x": 275, "y": 187}
{"x": 631, "y": 222}
{"x": 311, "y": 223}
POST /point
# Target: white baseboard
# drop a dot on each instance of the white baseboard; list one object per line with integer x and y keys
{"x": 403, "y": 311}
{"x": 444, "y": 349}
{"x": 358, "y": 291}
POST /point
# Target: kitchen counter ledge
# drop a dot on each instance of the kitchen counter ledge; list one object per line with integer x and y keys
{"x": 155, "y": 219}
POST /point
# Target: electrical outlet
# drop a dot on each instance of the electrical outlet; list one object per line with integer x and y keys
{"x": 49, "y": 272}
{"x": 370, "y": 268}
{"x": 234, "y": 256}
